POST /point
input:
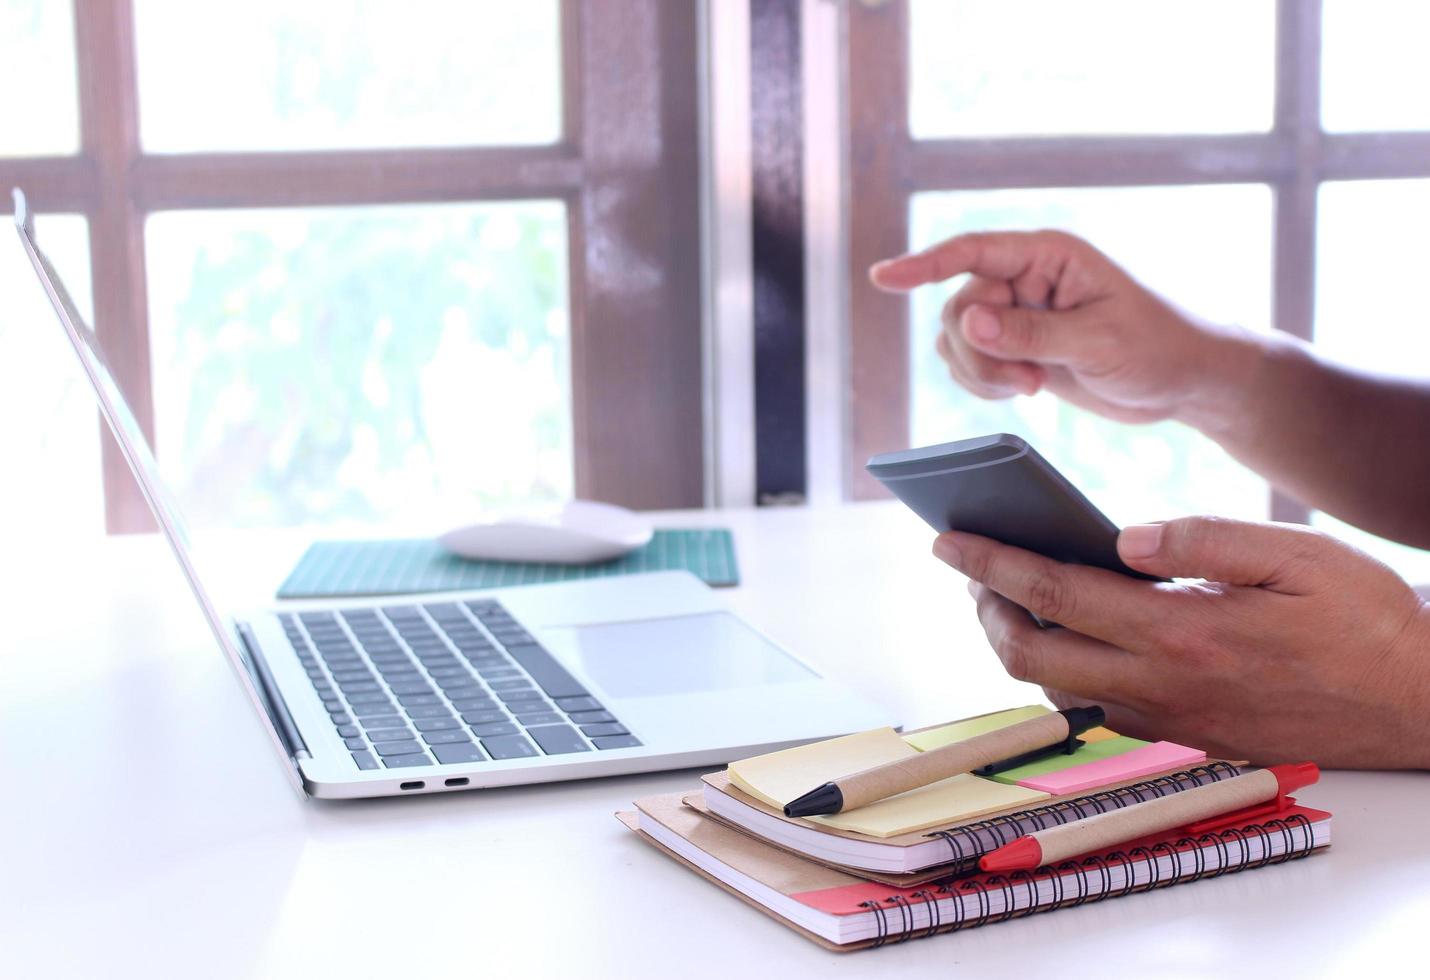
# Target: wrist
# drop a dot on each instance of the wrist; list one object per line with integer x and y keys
{"x": 1235, "y": 377}
{"x": 1411, "y": 659}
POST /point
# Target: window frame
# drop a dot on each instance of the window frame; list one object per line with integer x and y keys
{"x": 626, "y": 65}
{"x": 887, "y": 167}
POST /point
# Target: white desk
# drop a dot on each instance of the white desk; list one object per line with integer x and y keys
{"x": 146, "y": 829}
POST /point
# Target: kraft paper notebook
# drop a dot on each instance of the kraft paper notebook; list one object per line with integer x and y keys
{"x": 950, "y": 823}
{"x": 841, "y": 911}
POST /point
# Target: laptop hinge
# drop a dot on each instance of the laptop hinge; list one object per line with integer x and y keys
{"x": 272, "y": 701}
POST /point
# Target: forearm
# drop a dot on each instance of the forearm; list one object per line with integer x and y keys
{"x": 1354, "y": 445}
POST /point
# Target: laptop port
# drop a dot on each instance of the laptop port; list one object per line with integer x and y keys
{"x": 456, "y": 781}
{"x": 414, "y": 784}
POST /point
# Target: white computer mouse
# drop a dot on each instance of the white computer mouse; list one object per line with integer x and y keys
{"x": 577, "y": 533}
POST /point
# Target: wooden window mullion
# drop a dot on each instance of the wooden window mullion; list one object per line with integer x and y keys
{"x": 1298, "y": 120}
{"x": 109, "y": 137}
{"x": 879, "y": 148}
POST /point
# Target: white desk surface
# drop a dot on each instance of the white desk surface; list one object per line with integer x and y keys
{"x": 145, "y": 828}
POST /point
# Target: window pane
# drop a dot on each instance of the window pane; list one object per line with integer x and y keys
{"x": 277, "y": 75}
{"x": 37, "y": 75}
{"x": 1206, "y": 248}
{"x": 1048, "y": 67}
{"x": 51, "y": 430}
{"x": 326, "y": 365}
{"x": 1371, "y": 232}
{"x": 1373, "y": 65}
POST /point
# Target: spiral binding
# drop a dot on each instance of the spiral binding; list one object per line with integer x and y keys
{"x": 1093, "y": 876}
{"x": 963, "y": 842}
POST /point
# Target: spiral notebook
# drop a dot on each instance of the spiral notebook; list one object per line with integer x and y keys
{"x": 841, "y": 911}
{"x": 941, "y": 850}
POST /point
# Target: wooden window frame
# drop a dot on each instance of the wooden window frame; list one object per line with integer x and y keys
{"x": 887, "y": 166}
{"x": 627, "y": 168}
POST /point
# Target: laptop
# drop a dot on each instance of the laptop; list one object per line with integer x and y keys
{"x": 461, "y": 690}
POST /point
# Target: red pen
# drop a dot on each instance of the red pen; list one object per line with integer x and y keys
{"x": 1152, "y": 817}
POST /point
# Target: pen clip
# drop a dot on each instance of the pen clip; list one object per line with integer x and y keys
{"x": 1067, "y": 746}
{"x": 1251, "y": 814}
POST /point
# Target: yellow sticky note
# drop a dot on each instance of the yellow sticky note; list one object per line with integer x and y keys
{"x": 960, "y": 730}
{"x": 778, "y": 777}
{"x": 956, "y": 798}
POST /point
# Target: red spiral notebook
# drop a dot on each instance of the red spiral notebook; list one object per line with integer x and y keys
{"x": 841, "y": 911}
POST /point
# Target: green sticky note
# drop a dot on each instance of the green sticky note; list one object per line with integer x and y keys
{"x": 1091, "y": 752}
{"x": 961, "y": 730}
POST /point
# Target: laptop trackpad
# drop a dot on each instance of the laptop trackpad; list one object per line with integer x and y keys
{"x": 709, "y": 651}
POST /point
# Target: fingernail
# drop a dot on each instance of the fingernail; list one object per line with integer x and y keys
{"x": 946, "y": 550}
{"x": 1140, "y": 540}
{"x": 981, "y": 324}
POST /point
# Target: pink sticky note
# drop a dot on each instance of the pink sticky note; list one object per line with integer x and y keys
{"x": 1157, "y": 757}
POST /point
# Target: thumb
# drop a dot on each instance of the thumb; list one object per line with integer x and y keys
{"x": 1285, "y": 557}
{"x": 1020, "y": 333}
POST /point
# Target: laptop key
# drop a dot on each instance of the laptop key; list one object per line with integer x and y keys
{"x": 502, "y": 671}
{"x": 386, "y": 749}
{"x": 348, "y": 731}
{"x": 558, "y": 739}
{"x": 509, "y": 747}
{"x": 473, "y": 704}
{"x": 578, "y": 704}
{"x": 352, "y": 675}
{"x": 417, "y": 700}
{"x": 509, "y": 683}
{"x": 403, "y": 761}
{"x": 616, "y": 741}
{"x": 383, "y": 721}
{"x": 394, "y": 734}
{"x": 608, "y": 728}
{"x": 364, "y": 760}
{"x": 540, "y": 718}
{"x": 591, "y": 717}
{"x": 496, "y": 728}
{"x": 458, "y": 682}
{"x": 452, "y": 754}
{"x": 429, "y": 711}
{"x": 436, "y": 724}
{"x": 383, "y": 707}
{"x": 340, "y": 719}
{"x": 483, "y": 717}
{"x": 375, "y": 696}
{"x": 553, "y": 678}
{"x": 355, "y": 743}
{"x": 524, "y": 694}
{"x": 445, "y": 738}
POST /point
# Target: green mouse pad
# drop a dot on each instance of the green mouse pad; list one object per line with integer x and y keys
{"x": 392, "y": 567}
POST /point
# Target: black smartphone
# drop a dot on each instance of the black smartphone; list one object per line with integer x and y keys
{"x": 999, "y": 487}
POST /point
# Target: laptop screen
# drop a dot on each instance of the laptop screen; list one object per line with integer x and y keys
{"x": 141, "y": 462}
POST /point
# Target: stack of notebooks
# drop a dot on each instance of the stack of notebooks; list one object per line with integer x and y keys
{"x": 906, "y": 867}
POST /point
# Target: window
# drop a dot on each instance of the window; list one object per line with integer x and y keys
{"x": 369, "y": 262}
{"x": 1225, "y": 189}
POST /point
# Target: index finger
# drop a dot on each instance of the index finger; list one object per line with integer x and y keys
{"x": 996, "y": 254}
{"x": 1093, "y": 601}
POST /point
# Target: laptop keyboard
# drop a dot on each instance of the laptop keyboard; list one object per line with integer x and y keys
{"x": 446, "y": 683}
